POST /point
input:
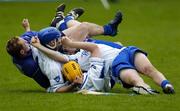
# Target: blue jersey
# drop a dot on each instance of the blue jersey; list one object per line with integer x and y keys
{"x": 28, "y": 66}
{"x": 28, "y": 35}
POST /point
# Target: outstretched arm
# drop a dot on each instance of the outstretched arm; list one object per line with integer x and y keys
{"x": 68, "y": 88}
{"x": 50, "y": 53}
{"x": 91, "y": 47}
{"x": 26, "y": 25}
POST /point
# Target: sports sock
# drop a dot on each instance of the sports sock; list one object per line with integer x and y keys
{"x": 62, "y": 25}
{"x": 164, "y": 82}
{"x": 107, "y": 30}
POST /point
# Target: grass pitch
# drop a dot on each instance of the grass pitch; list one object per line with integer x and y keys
{"x": 152, "y": 25}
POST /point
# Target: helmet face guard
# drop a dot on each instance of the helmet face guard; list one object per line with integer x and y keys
{"x": 47, "y": 35}
{"x": 54, "y": 46}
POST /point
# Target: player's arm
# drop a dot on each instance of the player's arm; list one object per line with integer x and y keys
{"x": 62, "y": 88}
{"x": 26, "y": 25}
{"x": 66, "y": 88}
{"x": 50, "y": 53}
{"x": 91, "y": 47}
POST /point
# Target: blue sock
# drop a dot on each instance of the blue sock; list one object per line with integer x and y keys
{"x": 107, "y": 30}
{"x": 69, "y": 17}
{"x": 63, "y": 25}
{"x": 164, "y": 82}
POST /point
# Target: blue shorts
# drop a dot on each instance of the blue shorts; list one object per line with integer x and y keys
{"x": 125, "y": 60}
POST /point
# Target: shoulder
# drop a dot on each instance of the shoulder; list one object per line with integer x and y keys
{"x": 27, "y": 66}
{"x": 28, "y": 35}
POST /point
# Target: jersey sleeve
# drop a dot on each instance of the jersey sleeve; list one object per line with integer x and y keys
{"x": 35, "y": 52}
{"x": 51, "y": 69}
{"x": 28, "y": 35}
{"x": 82, "y": 58}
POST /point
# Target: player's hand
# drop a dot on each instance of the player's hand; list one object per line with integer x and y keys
{"x": 35, "y": 41}
{"x": 26, "y": 25}
{"x": 66, "y": 41}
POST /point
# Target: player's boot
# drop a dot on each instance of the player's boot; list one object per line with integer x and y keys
{"x": 76, "y": 12}
{"x": 144, "y": 91}
{"x": 115, "y": 22}
{"x": 168, "y": 89}
{"x": 59, "y": 15}
{"x": 60, "y": 9}
{"x": 112, "y": 27}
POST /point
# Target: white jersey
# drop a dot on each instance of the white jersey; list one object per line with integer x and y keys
{"x": 107, "y": 53}
{"x": 94, "y": 68}
{"x": 50, "y": 68}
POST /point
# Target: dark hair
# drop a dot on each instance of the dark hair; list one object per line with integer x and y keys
{"x": 13, "y": 48}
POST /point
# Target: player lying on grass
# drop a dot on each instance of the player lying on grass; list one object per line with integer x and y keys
{"x": 23, "y": 60}
{"x": 52, "y": 69}
{"x": 124, "y": 63}
{"x": 46, "y": 34}
{"x": 21, "y": 53}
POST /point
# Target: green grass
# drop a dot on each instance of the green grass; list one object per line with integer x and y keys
{"x": 152, "y": 25}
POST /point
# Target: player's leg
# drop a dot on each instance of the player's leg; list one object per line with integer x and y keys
{"x": 63, "y": 23}
{"x": 77, "y": 32}
{"x": 131, "y": 77}
{"x": 80, "y": 31}
{"x": 124, "y": 68}
{"x": 93, "y": 29}
{"x": 144, "y": 66}
{"x": 59, "y": 15}
{"x": 108, "y": 29}
{"x": 75, "y": 14}
{"x": 83, "y": 30}
{"x": 70, "y": 19}
{"x": 72, "y": 23}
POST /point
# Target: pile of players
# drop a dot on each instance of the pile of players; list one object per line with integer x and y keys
{"x": 41, "y": 56}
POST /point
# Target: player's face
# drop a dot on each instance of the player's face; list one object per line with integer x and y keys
{"x": 66, "y": 50}
{"x": 25, "y": 46}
